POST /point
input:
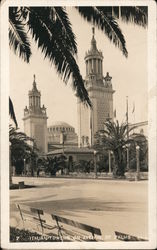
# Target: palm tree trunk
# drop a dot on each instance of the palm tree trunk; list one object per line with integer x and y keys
{"x": 119, "y": 169}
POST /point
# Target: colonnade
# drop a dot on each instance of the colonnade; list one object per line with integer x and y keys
{"x": 34, "y": 101}
{"x": 94, "y": 65}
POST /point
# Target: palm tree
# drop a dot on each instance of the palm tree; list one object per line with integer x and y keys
{"x": 19, "y": 147}
{"x": 51, "y": 29}
{"x": 114, "y": 138}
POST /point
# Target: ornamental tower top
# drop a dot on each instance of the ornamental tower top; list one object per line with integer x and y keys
{"x": 93, "y": 59}
{"x": 34, "y": 102}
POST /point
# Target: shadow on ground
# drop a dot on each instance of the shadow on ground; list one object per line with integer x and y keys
{"x": 66, "y": 206}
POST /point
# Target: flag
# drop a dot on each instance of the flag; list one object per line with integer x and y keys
{"x": 114, "y": 113}
{"x": 133, "y": 109}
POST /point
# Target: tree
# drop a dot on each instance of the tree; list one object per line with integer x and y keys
{"x": 51, "y": 29}
{"x": 19, "y": 148}
{"x": 55, "y": 164}
{"x": 141, "y": 141}
{"x": 114, "y": 138}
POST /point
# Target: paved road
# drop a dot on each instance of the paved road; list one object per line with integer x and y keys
{"x": 107, "y": 204}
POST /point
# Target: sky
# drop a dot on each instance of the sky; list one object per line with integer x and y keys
{"x": 129, "y": 75}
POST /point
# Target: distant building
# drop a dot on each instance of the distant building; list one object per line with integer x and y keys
{"x": 101, "y": 95}
{"x": 141, "y": 128}
{"x": 74, "y": 154}
{"x": 35, "y": 119}
{"x": 61, "y": 134}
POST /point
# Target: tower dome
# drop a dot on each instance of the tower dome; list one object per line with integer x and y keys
{"x": 60, "y": 126}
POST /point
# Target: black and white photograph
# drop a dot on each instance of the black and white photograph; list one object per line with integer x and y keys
{"x": 78, "y": 124}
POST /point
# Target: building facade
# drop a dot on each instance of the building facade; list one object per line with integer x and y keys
{"x": 101, "y": 95}
{"x": 35, "y": 119}
{"x": 61, "y": 134}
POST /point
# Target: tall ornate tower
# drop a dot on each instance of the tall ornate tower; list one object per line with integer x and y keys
{"x": 35, "y": 119}
{"x": 101, "y": 95}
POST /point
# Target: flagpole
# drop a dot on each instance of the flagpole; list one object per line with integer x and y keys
{"x": 127, "y": 117}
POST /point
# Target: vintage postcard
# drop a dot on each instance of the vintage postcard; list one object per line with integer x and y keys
{"x": 78, "y": 124}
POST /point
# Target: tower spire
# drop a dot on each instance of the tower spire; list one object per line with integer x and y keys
{"x": 93, "y": 41}
{"x": 34, "y": 83}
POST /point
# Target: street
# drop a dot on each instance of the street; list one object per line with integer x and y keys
{"x": 111, "y": 205}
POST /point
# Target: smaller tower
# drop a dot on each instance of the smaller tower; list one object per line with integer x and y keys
{"x": 35, "y": 119}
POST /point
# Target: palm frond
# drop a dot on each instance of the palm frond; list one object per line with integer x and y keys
{"x": 17, "y": 137}
{"x": 108, "y": 24}
{"x": 18, "y": 39}
{"x": 135, "y": 14}
{"x": 54, "y": 46}
{"x": 12, "y": 113}
{"x": 65, "y": 27}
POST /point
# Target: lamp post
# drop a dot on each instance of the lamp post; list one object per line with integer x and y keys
{"x": 24, "y": 160}
{"x": 127, "y": 155}
{"x": 109, "y": 160}
{"x": 95, "y": 163}
{"x": 137, "y": 177}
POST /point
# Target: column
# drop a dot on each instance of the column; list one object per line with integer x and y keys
{"x": 38, "y": 101}
{"x": 96, "y": 66}
{"x": 100, "y": 67}
{"x": 137, "y": 177}
{"x": 92, "y": 65}
{"x": 95, "y": 163}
